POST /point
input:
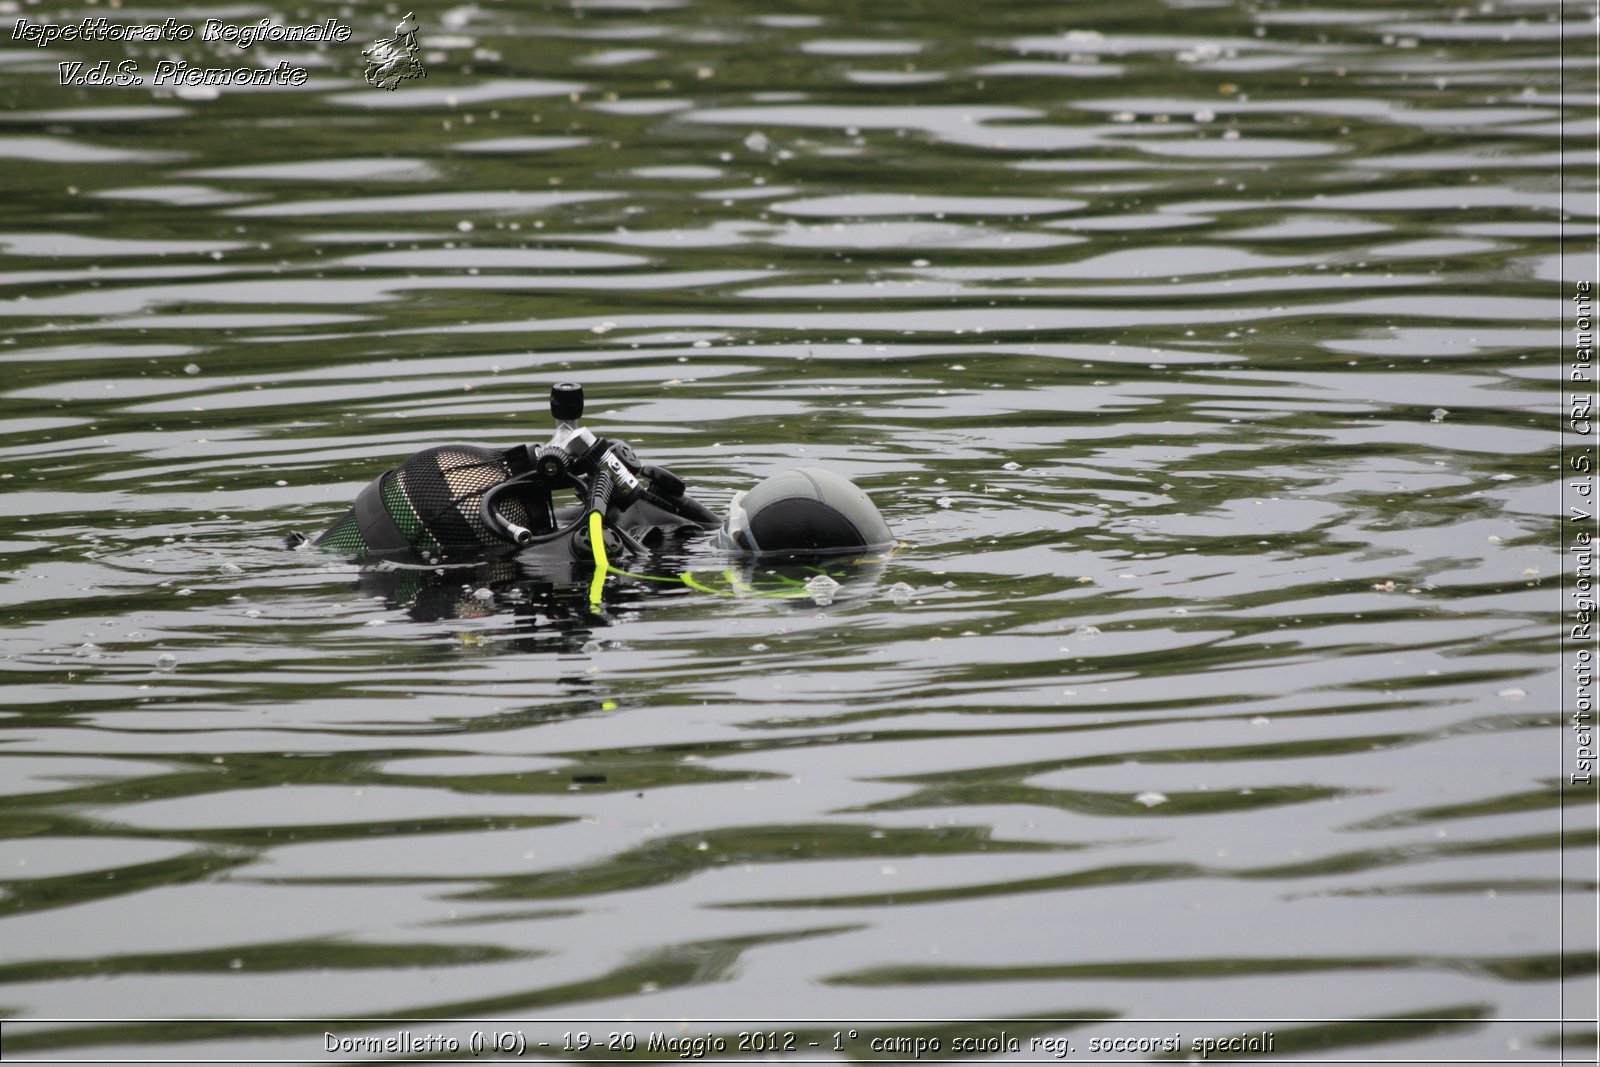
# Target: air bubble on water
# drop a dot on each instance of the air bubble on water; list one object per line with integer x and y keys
{"x": 186, "y": 592}
{"x": 377, "y": 622}
{"x": 821, "y": 589}
{"x": 901, "y": 593}
{"x": 757, "y": 142}
{"x": 231, "y": 568}
{"x": 166, "y": 661}
{"x": 484, "y": 593}
{"x": 603, "y": 327}
{"x": 1150, "y": 799}
{"x": 252, "y": 613}
{"x": 1437, "y": 415}
{"x": 89, "y": 650}
{"x": 590, "y": 648}
{"x": 465, "y": 226}
{"x": 1086, "y": 631}
{"x": 1205, "y": 115}
{"x": 702, "y": 344}
{"x": 1502, "y": 477}
{"x": 1200, "y": 53}
{"x": 192, "y": 368}
{"x": 945, "y": 501}
{"x": 1012, "y": 466}
{"x": 1260, "y": 720}
{"x": 1513, "y": 694}
{"x": 759, "y": 646}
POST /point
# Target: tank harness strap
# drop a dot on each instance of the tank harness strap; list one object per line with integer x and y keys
{"x": 377, "y": 526}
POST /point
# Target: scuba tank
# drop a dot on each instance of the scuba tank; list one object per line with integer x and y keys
{"x": 463, "y": 502}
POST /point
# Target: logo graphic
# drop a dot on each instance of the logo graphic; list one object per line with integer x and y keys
{"x": 394, "y": 59}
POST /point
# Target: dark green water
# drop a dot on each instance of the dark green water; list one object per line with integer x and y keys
{"x": 1205, "y": 356}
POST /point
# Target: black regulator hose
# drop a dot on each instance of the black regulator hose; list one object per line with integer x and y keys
{"x": 497, "y": 523}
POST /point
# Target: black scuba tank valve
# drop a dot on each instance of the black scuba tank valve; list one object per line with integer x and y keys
{"x": 566, "y": 407}
{"x": 566, "y": 402}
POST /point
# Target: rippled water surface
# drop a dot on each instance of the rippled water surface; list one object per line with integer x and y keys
{"x": 1203, "y": 356}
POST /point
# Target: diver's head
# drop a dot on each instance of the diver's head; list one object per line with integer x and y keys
{"x": 805, "y": 511}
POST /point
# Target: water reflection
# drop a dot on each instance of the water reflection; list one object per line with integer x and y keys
{"x": 547, "y": 594}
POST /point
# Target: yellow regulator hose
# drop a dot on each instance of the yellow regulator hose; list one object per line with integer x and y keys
{"x": 597, "y": 540}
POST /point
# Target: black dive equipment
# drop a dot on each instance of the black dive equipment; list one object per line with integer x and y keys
{"x": 464, "y": 502}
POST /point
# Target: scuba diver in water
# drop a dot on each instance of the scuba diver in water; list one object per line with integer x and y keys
{"x": 467, "y": 507}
